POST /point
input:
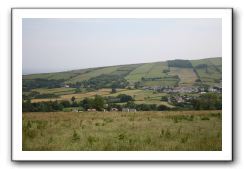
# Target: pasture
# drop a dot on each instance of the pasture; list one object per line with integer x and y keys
{"x": 186, "y": 75}
{"x": 140, "y": 96}
{"x": 160, "y": 74}
{"x": 122, "y": 131}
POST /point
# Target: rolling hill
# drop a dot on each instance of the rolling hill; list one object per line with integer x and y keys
{"x": 169, "y": 73}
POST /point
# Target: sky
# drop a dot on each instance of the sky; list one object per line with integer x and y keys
{"x": 54, "y": 45}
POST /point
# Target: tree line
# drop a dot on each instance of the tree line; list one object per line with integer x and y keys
{"x": 209, "y": 101}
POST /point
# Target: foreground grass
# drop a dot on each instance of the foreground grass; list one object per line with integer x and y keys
{"x": 121, "y": 131}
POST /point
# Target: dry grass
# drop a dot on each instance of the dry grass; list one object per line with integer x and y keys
{"x": 188, "y": 130}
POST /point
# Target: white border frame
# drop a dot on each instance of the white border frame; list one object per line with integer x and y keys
{"x": 19, "y": 155}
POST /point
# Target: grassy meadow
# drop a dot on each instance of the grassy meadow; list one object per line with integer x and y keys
{"x": 122, "y": 131}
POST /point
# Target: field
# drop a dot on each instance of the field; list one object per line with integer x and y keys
{"x": 208, "y": 71}
{"x": 56, "y": 91}
{"x": 140, "y": 96}
{"x": 121, "y": 131}
{"x": 186, "y": 75}
{"x": 212, "y": 73}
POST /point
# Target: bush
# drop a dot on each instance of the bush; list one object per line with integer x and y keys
{"x": 75, "y": 136}
{"x": 91, "y": 140}
{"x": 184, "y": 139}
{"x": 205, "y": 118}
{"x": 162, "y": 108}
{"x": 121, "y": 136}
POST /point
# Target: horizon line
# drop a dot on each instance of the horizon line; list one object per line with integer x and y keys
{"x": 112, "y": 66}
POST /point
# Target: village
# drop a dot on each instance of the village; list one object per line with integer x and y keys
{"x": 184, "y": 89}
{"x": 175, "y": 96}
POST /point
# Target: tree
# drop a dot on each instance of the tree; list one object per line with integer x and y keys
{"x": 137, "y": 85}
{"x": 27, "y": 106}
{"x": 162, "y": 107}
{"x": 131, "y": 104}
{"x": 164, "y": 98}
{"x": 99, "y": 102}
{"x": 87, "y": 103}
{"x": 113, "y": 90}
{"x": 208, "y": 101}
{"x": 57, "y": 106}
{"x": 73, "y": 99}
{"x": 124, "y": 98}
{"x": 65, "y": 103}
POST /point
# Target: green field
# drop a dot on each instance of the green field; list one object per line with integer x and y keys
{"x": 120, "y": 131}
{"x": 135, "y": 79}
{"x": 212, "y": 73}
{"x": 57, "y": 91}
{"x": 209, "y": 71}
{"x": 186, "y": 75}
{"x": 92, "y": 73}
{"x": 139, "y": 72}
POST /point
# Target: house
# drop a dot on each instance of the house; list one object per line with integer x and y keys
{"x": 132, "y": 110}
{"x": 128, "y": 110}
{"x": 66, "y": 86}
{"x": 114, "y": 109}
{"x": 125, "y": 109}
{"x": 75, "y": 110}
{"x": 212, "y": 89}
{"x": 179, "y": 99}
{"x": 91, "y": 110}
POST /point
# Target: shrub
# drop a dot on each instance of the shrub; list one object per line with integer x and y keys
{"x": 162, "y": 133}
{"x": 50, "y": 140}
{"x": 75, "y": 136}
{"x": 184, "y": 139}
{"x": 167, "y": 133}
{"x": 108, "y": 120}
{"x": 31, "y": 133}
{"x": 121, "y": 136}
{"x": 175, "y": 119}
{"x": 91, "y": 140}
{"x": 204, "y": 118}
{"x": 148, "y": 140}
{"x": 28, "y": 124}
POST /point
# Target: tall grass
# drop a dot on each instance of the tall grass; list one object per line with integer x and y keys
{"x": 120, "y": 131}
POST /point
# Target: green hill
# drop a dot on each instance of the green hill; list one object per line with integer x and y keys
{"x": 169, "y": 73}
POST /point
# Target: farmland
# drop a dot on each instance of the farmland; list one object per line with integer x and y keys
{"x": 140, "y": 96}
{"x": 123, "y": 131}
{"x": 168, "y": 73}
{"x": 126, "y": 79}
{"x": 163, "y": 106}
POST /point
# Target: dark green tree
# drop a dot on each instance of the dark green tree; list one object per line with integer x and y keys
{"x": 99, "y": 102}
{"x": 73, "y": 99}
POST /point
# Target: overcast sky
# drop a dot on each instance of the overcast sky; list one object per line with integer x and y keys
{"x": 51, "y": 45}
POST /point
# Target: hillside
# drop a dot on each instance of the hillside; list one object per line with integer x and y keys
{"x": 165, "y": 74}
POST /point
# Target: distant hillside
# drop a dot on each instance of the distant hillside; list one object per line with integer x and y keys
{"x": 169, "y": 73}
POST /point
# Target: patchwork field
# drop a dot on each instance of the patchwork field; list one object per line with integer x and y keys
{"x": 139, "y": 72}
{"x": 57, "y": 91}
{"x": 120, "y": 131}
{"x": 169, "y": 73}
{"x": 186, "y": 75}
{"x": 140, "y": 96}
{"x": 208, "y": 70}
